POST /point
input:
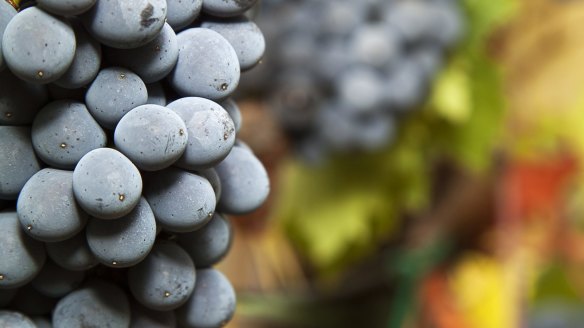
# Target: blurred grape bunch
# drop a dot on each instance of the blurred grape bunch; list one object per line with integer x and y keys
{"x": 351, "y": 203}
{"x": 346, "y": 72}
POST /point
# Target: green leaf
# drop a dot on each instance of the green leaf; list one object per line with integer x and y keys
{"x": 553, "y": 284}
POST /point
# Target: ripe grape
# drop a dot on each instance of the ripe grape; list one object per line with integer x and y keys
{"x": 211, "y": 175}
{"x": 64, "y": 131}
{"x": 207, "y": 65}
{"x": 98, "y": 304}
{"x": 145, "y": 317}
{"x": 7, "y": 12}
{"x": 19, "y": 100}
{"x": 125, "y": 24}
{"x": 210, "y": 244}
{"x": 232, "y": 109}
{"x": 47, "y": 209}
{"x": 153, "y": 137}
{"x": 244, "y": 36}
{"x": 123, "y": 242}
{"x": 86, "y": 62}
{"x": 181, "y": 201}
{"x": 17, "y": 160}
{"x": 114, "y": 92}
{"x": 361, "y": 89}
{"x": 54, "y": 281}
{"x": 375, "y": 45}
{"x": 38, "y": 57}
{"x": 165, "y": 279}
{"x": 212, "y": 303}
{"x": 211, "y": 133}
{"x": 406, "y": 87}
{"x": 13, "y": 319}
{"x": 72, "y": 254}
{"x": 244, "y": 182}
{"x": 106, "y": 184}
{"x": 21, "y": 257}
{"x": 181, "y": 13}
{"x": 66, "y": 7}
{"x": 152, "y": 61}
{"x": 42, "y": 322}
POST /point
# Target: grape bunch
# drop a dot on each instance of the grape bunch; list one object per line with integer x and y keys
{"x": 341, "y": 73}
{"x": 119, "y": 160}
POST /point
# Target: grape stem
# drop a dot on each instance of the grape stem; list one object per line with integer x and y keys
{"x": 13, "y": 3}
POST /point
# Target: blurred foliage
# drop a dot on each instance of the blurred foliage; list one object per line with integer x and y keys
{"x": 553, "y": 284}
{"x": 483, "y": 290}
{"x": 339, "y": 211}
{"x": 542, "y": 54}
{"x": 467, "y": 97}
{"x": 410, "y": 269}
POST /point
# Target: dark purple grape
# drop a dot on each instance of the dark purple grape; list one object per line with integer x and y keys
{"x": 47, "y": 209}
{"x": 181, "y": 201}
{"x": 64, "y": 131}
{"x": 125, "y": 24}
{"x": 165, "y": 279}
{"x": 98, "y": 304}
{"x": 208, "y": 245}
{"x": 207, "y": 65}
{"x": 153, "y": 137}
{"x": 211, "y": 132}
{"x": 86, "y": 62}
{"x": 212, "y": 303}
{"x": 38, "y": 57}
{"x": 72, "y": 254}
{"x": 114, "y": 92}
{"x": 125, "y": 241}
{"x": 106, "y": 184}
{"x": 17, "y": 160}
{"x": 13, "y": 319}
{"x": 21, "y": 257}
{"x": 244, "y": 182}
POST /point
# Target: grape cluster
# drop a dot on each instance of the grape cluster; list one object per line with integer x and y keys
{"x": 341, "y": 73}
{"x": 119, "y": 160}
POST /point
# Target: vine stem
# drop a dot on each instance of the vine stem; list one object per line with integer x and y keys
{"x": 14, "y": 3}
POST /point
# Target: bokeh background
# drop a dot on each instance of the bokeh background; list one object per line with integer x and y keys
{"x": 472, "y": 216}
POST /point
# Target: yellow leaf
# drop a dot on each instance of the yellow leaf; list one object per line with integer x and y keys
{"x": 451, "y": 97}
{"x": 485, "y": 292}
